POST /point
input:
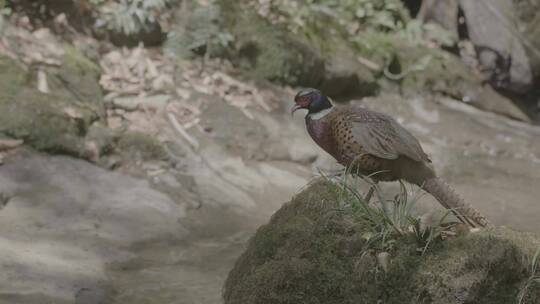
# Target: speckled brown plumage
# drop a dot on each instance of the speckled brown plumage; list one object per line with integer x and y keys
{"x": 374, "y": 144}
{"x": 370, "y": 143}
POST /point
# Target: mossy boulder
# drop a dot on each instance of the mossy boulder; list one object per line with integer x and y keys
{"x": 312, "y": 59}
{"x": 418, "y": 69}
{"x": 312, "y": 251}
{"x": 268, "y": 51}
{"x": 77, "y": 78}
{"x": 236, "y": 31}
{"x": 56, "y": 121}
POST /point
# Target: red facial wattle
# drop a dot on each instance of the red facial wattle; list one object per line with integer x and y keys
{"x": 302, "y": 101}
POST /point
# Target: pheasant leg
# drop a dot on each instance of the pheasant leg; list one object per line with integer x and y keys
{"x": 368, "y": 196}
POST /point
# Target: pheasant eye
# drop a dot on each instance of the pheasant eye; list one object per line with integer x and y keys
{"x": 302, "y": 100}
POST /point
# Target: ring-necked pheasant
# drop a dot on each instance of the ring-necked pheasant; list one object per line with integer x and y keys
{"x": 374, "y": 144}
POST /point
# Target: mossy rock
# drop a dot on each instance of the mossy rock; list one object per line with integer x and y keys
{"x": 321, "y": 58}
{"x": 54, "y": 122}
{"x": 77, "y": 79}
{"x": 418, "y": 69}
{"x": 137, "y": 145}
{"x": 269, "y": 51}
{"x": 311, "y": 252}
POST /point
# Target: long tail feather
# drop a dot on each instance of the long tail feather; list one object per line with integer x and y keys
{"x": 452, "y": 201}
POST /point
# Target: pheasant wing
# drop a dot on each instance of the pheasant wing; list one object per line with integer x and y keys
{"x": 380, "y": 135}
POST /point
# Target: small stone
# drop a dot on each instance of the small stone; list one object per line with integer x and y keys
{"x": 42, "y": 84}
{"x": 92, "y": 151}
{"x": 383, "y": 258}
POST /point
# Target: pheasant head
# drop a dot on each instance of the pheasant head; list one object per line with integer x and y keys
{"x": 312, "y": 100}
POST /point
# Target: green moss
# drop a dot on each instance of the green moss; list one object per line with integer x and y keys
{"x": 310, "y": 252}
{"x": 416, "y": 67}
{"x": 488, "y": 267}
{"x": 268, "y": 51}
{"x": 141, "y": 145}
{"x": 77, "y": 78}
{"x": 75, "y": 59}
{"x": 57, "y": 121}
{"x": 39, "y": 119}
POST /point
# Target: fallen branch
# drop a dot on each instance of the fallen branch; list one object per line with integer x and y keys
{"x": 368, "y": 63}
{"x": 178, "y": 127}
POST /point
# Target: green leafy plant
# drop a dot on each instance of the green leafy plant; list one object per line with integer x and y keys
{"x": 201, "y": 34}
{"x": 4, "y": 10}
{"x": 350, "y": 17}
{"x": 384, "y": 15}
{"x": 415, "y": 31}
{"x": 128, "y": 16}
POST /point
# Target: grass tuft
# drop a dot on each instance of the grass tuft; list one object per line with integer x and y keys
{"x": 534, "y": 278}
{"x": 386, "y": 221}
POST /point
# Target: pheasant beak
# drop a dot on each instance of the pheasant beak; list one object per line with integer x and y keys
{"x": 294, "y": 108}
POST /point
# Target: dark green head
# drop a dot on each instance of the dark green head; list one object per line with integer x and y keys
{"x": 312, "y": 100}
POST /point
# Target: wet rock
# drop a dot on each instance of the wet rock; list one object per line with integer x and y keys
{"x": 235, "y": 131}
{"x": 67, "y": 224}
{"x": 528, "y": 24}
{"x": 500, "y": 50}
{"x": 513, "y": 22}
{"x": 486, "y": 98}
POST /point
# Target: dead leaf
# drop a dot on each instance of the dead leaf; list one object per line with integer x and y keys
{"x": 190, "y": 139}
{"x": 42, "y": 84}
{"x": 183, "y": 93}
